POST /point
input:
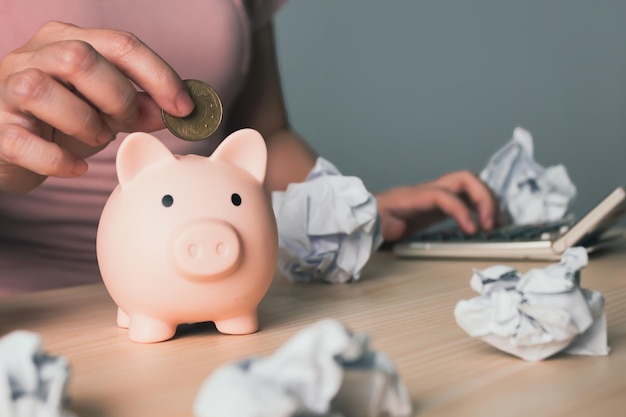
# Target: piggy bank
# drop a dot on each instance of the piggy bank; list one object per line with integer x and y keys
{"x": 186, "y": 239}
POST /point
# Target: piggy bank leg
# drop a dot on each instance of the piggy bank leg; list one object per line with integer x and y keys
{"x": 244, "y": 324}
{"x": 145, "y": 329}
{"x": 123, "y": 320}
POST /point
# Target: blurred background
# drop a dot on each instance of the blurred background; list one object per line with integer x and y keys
{"x": 404, "y": 91}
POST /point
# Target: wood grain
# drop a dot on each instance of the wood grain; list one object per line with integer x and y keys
{"x": 405, "y": 306}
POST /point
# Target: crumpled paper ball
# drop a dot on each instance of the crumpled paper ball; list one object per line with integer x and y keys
{"x": 32, "y": 383}
{"x": 528, "y": 192}
{"x": 323, "y": 371}
{"x": 536, "y": 314}
{"x": 328, "y": 226}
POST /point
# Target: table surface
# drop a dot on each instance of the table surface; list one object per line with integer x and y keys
{"x": 406, "y": 306}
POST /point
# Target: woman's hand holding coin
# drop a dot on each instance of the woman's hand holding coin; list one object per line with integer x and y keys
{"x": 68, "y": 90}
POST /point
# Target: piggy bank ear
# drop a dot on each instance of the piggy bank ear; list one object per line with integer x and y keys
{"x": 138, "y": 151}
{"x": 246, "y": 149}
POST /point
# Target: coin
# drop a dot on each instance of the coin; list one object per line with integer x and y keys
{"x": 205, "y": 117}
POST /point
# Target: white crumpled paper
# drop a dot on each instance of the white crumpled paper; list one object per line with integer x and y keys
{"x": 327, "y": 226}
{"x": 536, "y": 314}
{"x": 528, "y": 192}
{"x": 323, "y": 371}
{"x": 32, "y": 383}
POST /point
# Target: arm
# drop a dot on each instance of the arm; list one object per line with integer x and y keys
{"x": 403, "y": 210}
{"x": 261, "y": 106}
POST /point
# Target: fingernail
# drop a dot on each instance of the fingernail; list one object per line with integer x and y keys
{"x": 105, "y": 137}
{"x": 80, "y": 167}
{"x": 184, "y": 103}
{"x": 470, "y": 227}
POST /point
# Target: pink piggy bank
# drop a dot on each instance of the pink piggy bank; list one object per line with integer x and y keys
{"x": 186, "y": 239}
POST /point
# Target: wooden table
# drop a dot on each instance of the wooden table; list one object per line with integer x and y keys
{"x": 405, "y": 306}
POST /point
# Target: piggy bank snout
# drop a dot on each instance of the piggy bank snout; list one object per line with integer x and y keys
{"x": 206, "y": 250}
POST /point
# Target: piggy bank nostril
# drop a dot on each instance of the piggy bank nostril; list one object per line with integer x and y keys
{"x": 221, "y": 248}
{"x": 193, "y": 250}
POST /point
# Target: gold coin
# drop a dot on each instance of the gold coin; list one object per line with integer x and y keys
{"x": 205, "y": 117}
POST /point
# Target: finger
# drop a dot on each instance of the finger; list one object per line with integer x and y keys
{"x": 149, "y": 116}
{"x": 477, "y": 192}
{"x": 36, "y": 93}
{"x": 19, "y": 146}
{"x": 79, "y": 66}
{"x": 450, "y": 204}
{"x": 135, "y": 60}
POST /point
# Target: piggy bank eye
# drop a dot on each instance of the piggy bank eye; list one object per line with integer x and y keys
{"x": 167, "y": 200}
{"x": 236, "y": 199}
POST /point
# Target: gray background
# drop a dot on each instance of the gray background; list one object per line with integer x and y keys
{"x": 399, "y": 92}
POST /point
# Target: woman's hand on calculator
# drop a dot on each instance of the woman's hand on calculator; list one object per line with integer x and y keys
{"x": 408, "y": 209}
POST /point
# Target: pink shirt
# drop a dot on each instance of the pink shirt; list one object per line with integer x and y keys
{"x": 47, "y": 237}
